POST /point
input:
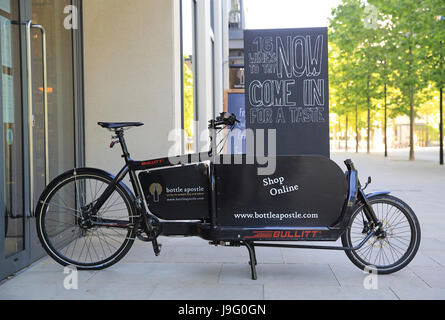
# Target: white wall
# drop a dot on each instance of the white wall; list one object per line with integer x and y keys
{"x": 132, "y": 73}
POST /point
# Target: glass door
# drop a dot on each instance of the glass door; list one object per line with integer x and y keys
{"x": 40, "y": 105}
{"x": 13, "y": 250}
{"x": 54, "y": 129}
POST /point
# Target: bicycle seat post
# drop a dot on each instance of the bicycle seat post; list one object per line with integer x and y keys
{"x": 120, "y": 135}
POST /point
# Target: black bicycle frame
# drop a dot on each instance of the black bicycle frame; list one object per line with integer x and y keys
{"x": 131, "y": 167}
{"x": 211, "y": 231}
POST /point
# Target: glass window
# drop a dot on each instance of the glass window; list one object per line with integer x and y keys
{"x": 212, "y": 17}
{"x": 236, "y": 71}
{"x": 188, "y": 57}
{"x": 59, "y": 42}
{"x": 11, "y": 134}
{"x": 60, "y": 91}
{"x": 5, "y": 5}
{"x": 235, "y": 15}
{"x": 212, "y": 43}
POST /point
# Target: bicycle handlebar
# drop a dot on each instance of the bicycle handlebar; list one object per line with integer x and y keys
{"x": 226, "y": 118}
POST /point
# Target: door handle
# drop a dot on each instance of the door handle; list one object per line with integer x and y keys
{"x": 45, "y": 98}
{"x": 28, "y": 26}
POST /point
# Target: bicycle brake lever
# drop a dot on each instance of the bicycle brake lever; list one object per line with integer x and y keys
{"x": 367, "y": 183}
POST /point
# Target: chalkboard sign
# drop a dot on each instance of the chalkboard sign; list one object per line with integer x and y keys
{"x": 287, "y": 87}
{"x": 234, "y": 102}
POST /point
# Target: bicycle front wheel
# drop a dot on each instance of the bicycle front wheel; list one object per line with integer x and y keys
{"x": 395, "y": 248}
{"x": 71, "y": 235}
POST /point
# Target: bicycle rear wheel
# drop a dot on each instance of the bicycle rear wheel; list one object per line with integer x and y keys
{"x": 71, "y": 235}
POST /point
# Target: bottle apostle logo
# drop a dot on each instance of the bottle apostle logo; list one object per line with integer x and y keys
{"x": 155, "y": 191}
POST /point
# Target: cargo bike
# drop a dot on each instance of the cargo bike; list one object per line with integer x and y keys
{"x": 89, "y": 219}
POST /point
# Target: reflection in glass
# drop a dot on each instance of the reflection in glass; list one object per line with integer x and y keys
{"x": 59, "y": 43}
{"x": 11, "y": 147}
{"x": 60, "y": 91}
{"x": 5, "y": 5}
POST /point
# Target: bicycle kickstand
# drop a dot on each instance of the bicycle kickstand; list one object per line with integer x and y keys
{"x": 156, "y": 247}
{"x": 252, "y": 255}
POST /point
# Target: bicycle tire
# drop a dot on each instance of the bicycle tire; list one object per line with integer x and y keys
{"x": 411, "y": 250}
{"x": 42, "y": 210}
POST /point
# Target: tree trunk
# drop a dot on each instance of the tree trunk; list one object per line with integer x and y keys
{"x": 386, "y": 127}
{"x": 411, "y": 126}
{"x": 368, "y": 139}
{"x": 339, "y": 135}
{"x": 441, "y": 129}
{"x": 357, "y": 138}
{"x": 441, "y": 114}
{"x": 346, "y": 134}
{"x": 427, "y": 137}
{"x": 411, "y": 115}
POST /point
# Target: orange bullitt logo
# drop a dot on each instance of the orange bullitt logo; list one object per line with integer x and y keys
{"x": 297, "y": 234}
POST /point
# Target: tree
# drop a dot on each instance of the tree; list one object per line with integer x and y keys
{"x": 408, "y": 36}
{"x": 388, "y": 53}
{"x": 188, "y": 100}
{"x": 435, "y": 30}
{"x": 385, "y": 54}
{"x": 356, "y": 41}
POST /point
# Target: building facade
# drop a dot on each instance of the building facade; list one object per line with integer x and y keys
{"x": 164, "y": 63}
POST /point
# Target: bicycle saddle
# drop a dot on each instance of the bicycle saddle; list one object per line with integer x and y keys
{"x": 119, "y": 125}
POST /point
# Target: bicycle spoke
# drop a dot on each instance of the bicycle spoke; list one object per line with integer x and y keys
{"x": 70, "y": 229}
{"x": 392, "y": 245}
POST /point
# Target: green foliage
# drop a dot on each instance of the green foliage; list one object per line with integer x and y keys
{"x": 188, "y": 101}
{"x": 395, "y": 45}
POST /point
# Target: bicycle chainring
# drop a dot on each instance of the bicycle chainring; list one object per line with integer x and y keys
{"x": 150, "y": 230}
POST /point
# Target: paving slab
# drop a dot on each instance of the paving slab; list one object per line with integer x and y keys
{"x": 308, "y": 292}
{"x": 208, "y": 292}
{"x": 224, "y": 254}
{"x": 37, "y": 284}
{"x": 49, "y": 291}
{"x": 302, "y": 274}
{"x": 415, "y": 294}
{"x": 423, "y": 259}
{"x": 118, "y": 290}
{"x": 34, "y": 278}
{"x": 315, "y": 256}
{"x": 433, "y": 276}
{"x": 171, "y": 273}
{"x": 350, "y": 275}
{"x": 85, "y": 291}
{"x": 428, "y": 243}
{"x": 437, "y": 256}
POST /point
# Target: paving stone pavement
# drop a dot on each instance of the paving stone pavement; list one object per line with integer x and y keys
{"x": 189, "y": 268}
